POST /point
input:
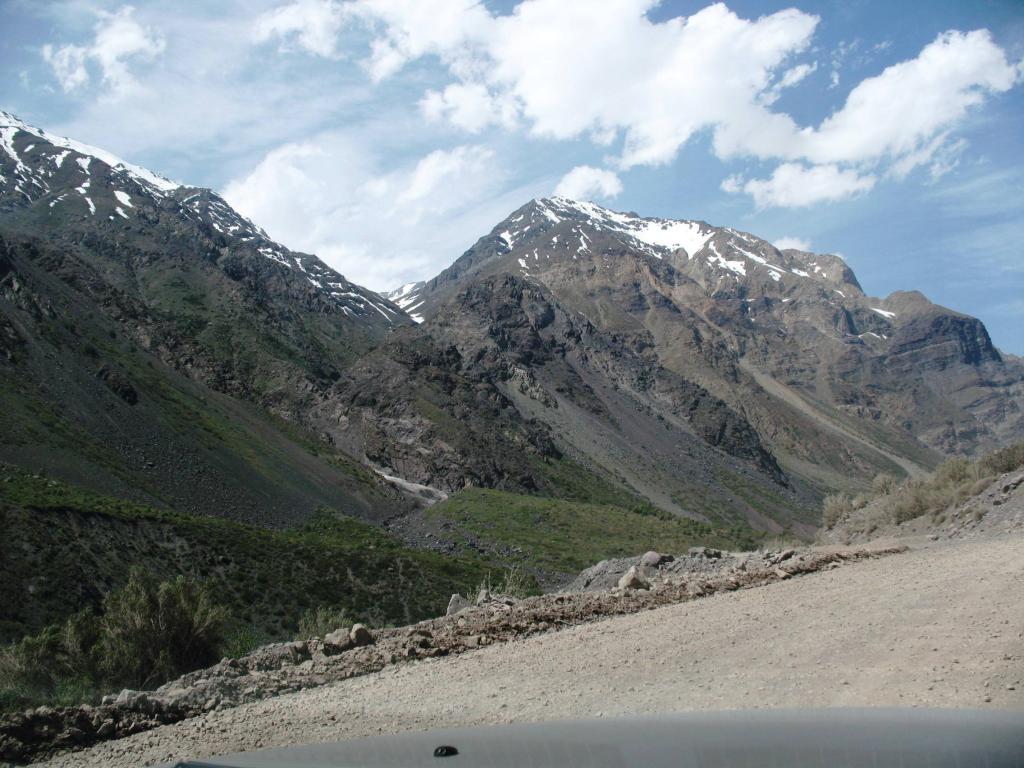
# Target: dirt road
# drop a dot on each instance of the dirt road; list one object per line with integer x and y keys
{"x": 939, "y": 626}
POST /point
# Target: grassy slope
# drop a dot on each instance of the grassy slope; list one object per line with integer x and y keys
{"x": 63, "y": 547}
{"x": 556, "y": 536}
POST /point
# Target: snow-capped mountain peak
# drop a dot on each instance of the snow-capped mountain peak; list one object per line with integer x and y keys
{"x": 64, "y": 185}
{"x": 11, "y": 125}
{"x": 556, "y": 227}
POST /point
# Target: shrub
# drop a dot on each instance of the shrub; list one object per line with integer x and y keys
{"x": 884, "y": 483}
{"x": 156, "y": 631}
{"x": 54, "y": 666}
{"x": 515, "y": 582}
{"x": 909, "y": 502}
{"x": 242, "y": 642}
{"x": 1008, "y": 459}
{"x": 860, "y": 501}
{"x": 954, "y": 472}
{"x": 148, "y": 633}
{"x": 317, "y": 622}
{"x": 834, "y": 508}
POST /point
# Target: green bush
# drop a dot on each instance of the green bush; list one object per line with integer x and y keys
{"x": 243, "y": 641}
{"x": 320, "y": 621}
{"x": 147, "y": 633}
{"x": 152, "y": 632}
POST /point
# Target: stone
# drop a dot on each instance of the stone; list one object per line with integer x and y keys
{"x": 483, "y": 597}
{"x": 456, "y": 604}
{"x": 337, "y": 641}
{"x": 633, "y": 579}
{"x": 360, "y": 635}
{"x": 654, "y": 559}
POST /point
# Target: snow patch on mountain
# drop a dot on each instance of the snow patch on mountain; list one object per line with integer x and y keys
{"x": 408, "y": 299}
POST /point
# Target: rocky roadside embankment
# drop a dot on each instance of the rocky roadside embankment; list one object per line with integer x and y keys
{"x": 640, "y": 584}
{"x": 997, "y": 509}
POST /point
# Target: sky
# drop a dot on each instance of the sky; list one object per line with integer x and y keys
{"x": 386, "y": 136}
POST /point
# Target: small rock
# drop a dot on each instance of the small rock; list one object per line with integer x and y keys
{"x": 360, "y": 635}
{"x": 483, "y": 597}
{"x": 707, "y": 552}
{"x": 782, "y": 574}
{"x": 456, "y": 604}
{"x": 632, "y": 579}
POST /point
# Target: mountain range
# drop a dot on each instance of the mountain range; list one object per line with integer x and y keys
{"x": 158, "y": 347}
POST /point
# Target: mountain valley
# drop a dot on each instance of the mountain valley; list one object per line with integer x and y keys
{"x": 691, "y": 382}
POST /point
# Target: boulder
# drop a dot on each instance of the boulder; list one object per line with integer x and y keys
{"x": 633, "y": 579}
{"x": 654, "y": 559}
{"x": 337, "y": 641}
{"x": 483, "y": 597}
{"x": 456, "y": 604}
{"x": 360, "y": 635}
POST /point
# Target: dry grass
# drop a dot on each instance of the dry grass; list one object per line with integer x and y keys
{"x": 514, "y": 582}
{"x": 321, "y": 621}
{"x": 895, "y": 502}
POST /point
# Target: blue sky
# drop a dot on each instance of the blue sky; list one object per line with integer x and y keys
{"x": 386, "y": 136}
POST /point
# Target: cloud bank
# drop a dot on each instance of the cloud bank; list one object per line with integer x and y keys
{"x": 546, "y": 66}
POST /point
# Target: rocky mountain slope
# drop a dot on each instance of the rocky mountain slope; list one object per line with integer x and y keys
{"x": 835, "y": 384}
{"x": 160, "y": 350}
{"x": 157, "y": 345}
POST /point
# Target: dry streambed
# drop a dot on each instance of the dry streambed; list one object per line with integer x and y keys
{"x": 285, "y": 667}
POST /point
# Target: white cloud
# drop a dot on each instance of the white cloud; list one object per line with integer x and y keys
{"x": 793, "y": 185}
{"x": 548, "y": 62}
{"x": 68, "y": 64}
{"x": 584, "y": 182}
{"x": 313, "y": 25}
{"x": 797, "y": 243}
{"x": 790, "y": 77}
{"x": 441, "y": 168}
{"x": 545, "y": 65}
{"x": 910, "y": 103}
{"x": 118, "y": 39}
{"x": 470, "y": 106}
{"x": 378, "y": 226}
